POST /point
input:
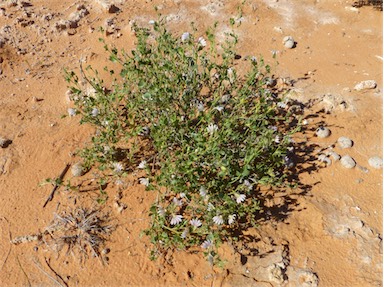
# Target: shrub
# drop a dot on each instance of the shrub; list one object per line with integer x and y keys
{"x": 207, "y": 136}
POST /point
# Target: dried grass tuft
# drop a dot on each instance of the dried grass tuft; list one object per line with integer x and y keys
{"x": 82, "y": 231}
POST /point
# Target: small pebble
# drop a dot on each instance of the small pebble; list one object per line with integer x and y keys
{"x": 345, "y": 142}
{"x": 363, "y": 169}
{"x": 347, "y": 162}
{"x": 288, "y": 42}
{"x": 334, "y": 155}
{"x": 325, "y": 159}
{"x": 323, "y": 132}
{"x": 106, "y": 251}
{"x": 376, "y": 162}
{"x": 369, "y": 84}
{"x": 4, "y": 142}
{"x": 77, "y": 169}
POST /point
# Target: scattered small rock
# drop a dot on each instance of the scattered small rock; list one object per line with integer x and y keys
{"x": 362, "y": 168}
{"x": 108, "y": 6}
{"x": 302, "y": 277}
{"x": 289, "y": 42}
{"x": 323, "y": 132}
{"x": 347, "y": 161}
{"x": 376, "y": 162}
{"x": 345, "y": 142}
{"x": 369, "y": 84}
{"x": 334, "y": 155}
{"x": 325, "y": 159}
{"x": 77, "y": 169}
{"x": 4, "y": 142}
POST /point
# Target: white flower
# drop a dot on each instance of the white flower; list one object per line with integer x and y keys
{"x": 142, "y": 164}
{"x": 185, "y": 233}
{"x": 203, "y": 191}
{"x": 202, "y": 42}
{"x": 151, "y": 22}
{"x": 119, "y": 182}
{"x": 277, "y": 139}
{"x": 71, "y": 112}
{"x": 206, "y": 244}
{"x": 117, "y": 167}
{"x": 200, "y": 107}
{"x": 182, "y": 195}
{"x": 240, "y": 197}
{"x": 176, "y": 219}
{"x": 282, "y": 105}
{"x": 225, "y": 98}
{"x": 274, "y": 128}
{"x": 177, "y": 202}
{"x": 253, "y": 59}
{"x": 185, "y": 36}
{"x": 195, "y": 222}
{"x": 144, "y": 181}
{"x": 218, "y": 219}
{"x": 230, "y": 75}
{"x": 210, "y": 207}
{"x": 95, "y": 112}
{"x": 212, "y": 128}
{"x": 160, "y": 211}
{"x": 248, "y": 184}
{"x": 231, "y": 218}
{"x": 219, "y": 108}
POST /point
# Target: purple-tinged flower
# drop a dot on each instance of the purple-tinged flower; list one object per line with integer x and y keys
{"x": 218, "y": 219}
{"x": 212, "y": 128}
{"x": 95, "y": 112}
{"x": 206, "y": 244}
{"x": 142, "y": 164}
{"x": 177, "y": 202}
{"x": 185, "y": 36}
{"x": 117, "y": 167}
{"x": 240, "y": 197}
{"x": 195, "y": 222}
{"x": 231, "y": 218}
{"x": 144, "y": 181}
{"x": 176, "y": 219}
{"x": 185, "y": 233}
{"x": 161, "y": 211}
{"x": 248, "y": 184}
{"x": 202, "y": 42}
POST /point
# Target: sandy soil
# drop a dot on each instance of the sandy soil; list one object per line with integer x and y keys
{"x": 327, "y": 233}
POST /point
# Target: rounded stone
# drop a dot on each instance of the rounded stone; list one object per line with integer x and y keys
{"x": 323, "y": 132}
{"x": 334, "y": 155}
{"x": 347, "y": 161}
{"x": 4, "y": 142}
{"x": 376, "y": 162}
{"x": 345, "y": 142}
{"x": 370, "y": 84}
{"x": 77, "y": 169}
{"x": 288, "y": 42}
